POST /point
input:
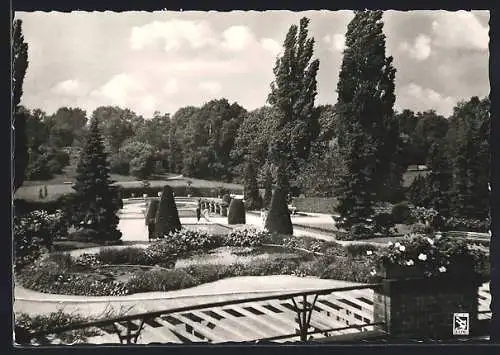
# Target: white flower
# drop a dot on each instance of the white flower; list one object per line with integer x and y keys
{"x": 369, "y": 252}
{"x": 431, "y": 242}
{"x": 422, "y": 257}
{"x": 410, "y": 262}
{"x": 373, "y": 272}
{"x": 402, "y": 248}
{"x": 442, "y": 269}
{"x": 397, "y": 245}
{"x": 390, "y": 244}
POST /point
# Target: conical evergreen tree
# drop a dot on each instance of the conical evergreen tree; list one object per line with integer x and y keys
{"x": 167, "y": 216}
{"x": 292, "y": 95}
{"x": 19, "y": 66}
{"x": 364, "y": 110}
{"x": 96, "y": 199}
{"x": 278, "y": 219}
{"x": 253, "y": 201}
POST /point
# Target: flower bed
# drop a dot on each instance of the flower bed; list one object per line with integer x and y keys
{"x": 186, "y": 258}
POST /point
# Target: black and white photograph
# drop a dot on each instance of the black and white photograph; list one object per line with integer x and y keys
{"x": 250, "y": 177}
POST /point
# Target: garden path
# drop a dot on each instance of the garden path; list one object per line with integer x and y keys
{"x": 32, "y": 302}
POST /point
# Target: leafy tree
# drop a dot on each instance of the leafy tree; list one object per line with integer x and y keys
{"x": 96, "y": 199}
{"x": 364, "y": 108}
{"x": 278, "y": 219}
{"x": 319, "y": 174}
{"x": 253, "y": 138}
{"x": 140, "y": 158}
{"x": 67, "y": 126}
{"x": 19, "y": 61}
{"x": 117, "y": 125}
{"x": 292, "y": 96}
{"x": 431, "y": 128}
{"x": 253, "y": 201}
{"x": 468, "y": 144}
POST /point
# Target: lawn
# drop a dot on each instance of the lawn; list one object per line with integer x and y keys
{"x": 57, "y": 188}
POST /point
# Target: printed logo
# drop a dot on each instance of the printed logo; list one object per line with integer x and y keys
{"x": 461, "y": 323}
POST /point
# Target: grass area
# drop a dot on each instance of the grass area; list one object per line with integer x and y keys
{"x": 57, "y": 188}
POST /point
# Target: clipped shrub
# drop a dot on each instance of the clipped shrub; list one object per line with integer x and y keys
{"x": 128, "y": 255}
{"x": 383, "y": 222}
{"x": 360, "y": 231}
{"x": 161, "y": 280}
{"x": 401, "y": 213}
{"x": 167, "y": 216}
{"x": 152, "y": 209}
{"x": 278, "y": 219}
{"x": 236, "y": 214}
{"x": 348, "y": 269}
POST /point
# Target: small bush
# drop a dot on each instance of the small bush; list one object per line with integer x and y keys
{"x": 167, "y": 216}
{"x": 349, "y": 269}
{"x": 128, "y": 255}
{"x": 64, "y": 260}
{"x": 278, "y": 220}
{"x": 466, "y": 225}
{"x": 401, "y": 213}
{"x": 161, "y": 280}
{"x": 420, "y": 228}
{"x": 245, "y": 238}
{"x": 84, "y": 235}
{"x": 236, "y": 214}
{"x": 383, "y": 222}
{"x": 356, "y": 250}
{"x": 359, "y": 231}
{"x": 59, "y": 319}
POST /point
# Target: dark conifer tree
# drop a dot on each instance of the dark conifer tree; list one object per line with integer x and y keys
{"x": 364, "y": 110}
{"x": 97, "y": 199}
{"x": 292, "y": 95}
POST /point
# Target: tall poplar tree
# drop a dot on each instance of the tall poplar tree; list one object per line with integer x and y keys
{"x": 19, "y": 52}
{"x": 96, "y": 199}
{"x": 292, "y": 95}
{"x": 364, "y": 112}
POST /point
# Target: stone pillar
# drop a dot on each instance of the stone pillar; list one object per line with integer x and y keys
{"x": 424, "y": 307}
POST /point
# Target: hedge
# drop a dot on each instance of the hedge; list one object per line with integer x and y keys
{"x": 315, "y": 204}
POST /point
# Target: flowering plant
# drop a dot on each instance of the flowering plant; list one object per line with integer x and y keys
{"x": 426, "y": 216}
{"x": 428, "y": 256}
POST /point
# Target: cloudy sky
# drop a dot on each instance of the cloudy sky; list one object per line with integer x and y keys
{"x": 166, "y": 60}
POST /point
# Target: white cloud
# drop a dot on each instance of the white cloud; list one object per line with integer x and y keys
{"x": 271, "y": 45}
{"x": 420, "y": 49}
{"x": 71, "y": 87}
{"x": 212, "y": 87}
{"x": 417, "y": 98}
{"x": 237, "y": 38}
{"x": 173, "y": 34}
{"x": 460, "y": 30}
{"x": 336, "y": 42}
{"x": 171, "y": 87}
{"x": 122, "y": 89}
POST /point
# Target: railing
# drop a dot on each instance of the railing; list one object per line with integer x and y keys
{"x": 299, "y": 316}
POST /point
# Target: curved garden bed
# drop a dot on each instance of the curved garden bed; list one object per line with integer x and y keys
{"x": 188, "y": 259}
